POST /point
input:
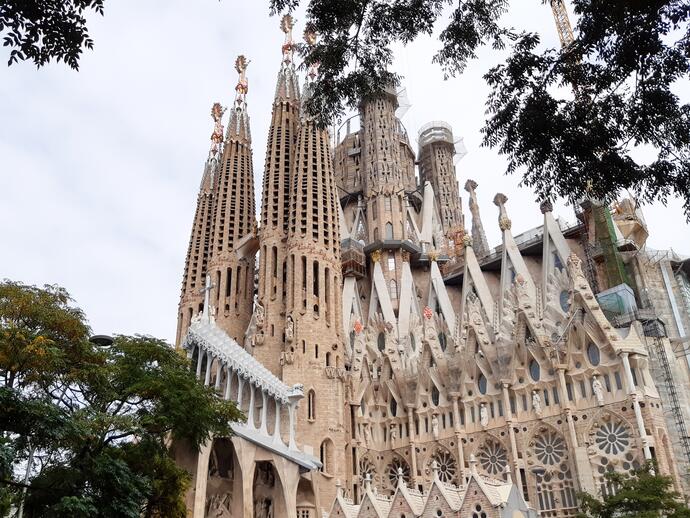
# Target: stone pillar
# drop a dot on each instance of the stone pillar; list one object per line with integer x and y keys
{"x": 458, "y": 436}
{"x": 291, "y": 409}
{"x": 511, "y": 433}
{"x": 276, "y": 429}
{"x": 201, "y": 478}
{"x": 413, "y": 447}
{"x": 209, "y": 361}
{"x": 264, "y": 414}
{"x": 250, "y": 410}
{"x": 632, "y": 391}
{"x": 228, "y": 383}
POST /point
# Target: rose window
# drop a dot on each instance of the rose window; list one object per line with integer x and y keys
{"x": 393, "y": 468}
{"x": 493, "y": 458}
{"x": 549, "y": 448}
{"x": 613, "y": 437}
{"x": 447, "y": 469}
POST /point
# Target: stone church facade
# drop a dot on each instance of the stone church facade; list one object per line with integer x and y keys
{"x": 391, "y": 363}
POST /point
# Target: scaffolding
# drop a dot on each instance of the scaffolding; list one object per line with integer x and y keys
{"x": 673, "y": 400}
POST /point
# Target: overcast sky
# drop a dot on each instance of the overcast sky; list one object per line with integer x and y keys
{"x": 99, "y": 169}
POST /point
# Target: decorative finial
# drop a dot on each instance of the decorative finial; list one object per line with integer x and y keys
{"x": 473, "y": 463}
{"x": 206, "y": 290}
{"x": 242, "y": 87}
{"x": 467, "y": 240}
{"x": 401, "y": 477}
{"x": 504, "y": 222}
{"x": 217, "y": 112}
{"x": 367, "y": 481}
{"x": 434, "y": 469}
{"x": 286, "y": 24}
{"x": 310, "y": 39}
{"x": 470, "y": 185}
{"x": 376, "y": 256}
{"x": 546, "y": 206}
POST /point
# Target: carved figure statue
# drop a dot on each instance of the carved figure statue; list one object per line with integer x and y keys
{"x": 483, "y": 415}
{"x": 259, "y": 312}
{"x": 434, "y": 426}
{"x": 598, "y": 390}
{"x": 393, "y": 432}
{"x": 536, "y": 403}
{"x": 289, "y": 329}
{"x": 368, "y": 438}
{"x": 219, "y": 506}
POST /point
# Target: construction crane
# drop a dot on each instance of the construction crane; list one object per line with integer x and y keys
{"x": 565, "y": 30}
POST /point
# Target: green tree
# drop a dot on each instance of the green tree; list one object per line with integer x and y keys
{"x": 640, "y": 495}
{"x": 43, "y": 30}
{"x": 626, "y": 60}
{"x": 96, "y": 421}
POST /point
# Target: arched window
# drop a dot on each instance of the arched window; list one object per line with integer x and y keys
{"x": 326, "y": 456}
{"x": 435, "y": 396}
{"x": 389, "y": 230}
{"x": 311, "y": 405}
{"x": 381, "y": 341}
{"x": 534, "y": 370}
{"x": 376, "y": 234}
{"x": 393, "y": 288}
{"x": 593, "y": 354}
{"x": 328, "y": 359}
{"x": 482, "y": 384}
{"x": 391, "y": 262}
{"x": 394, "y": 407}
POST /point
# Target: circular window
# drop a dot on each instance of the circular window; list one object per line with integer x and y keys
{"x": 534, "y": 370}
{"x": 381, "y": 342}
{"x": 613, "y": 438}
{"x": 564, "y": 299}
{"x": 549, "y": 448}
{"x": 593, "y": 354}
{"x": 481, "y": 382}
{"x": 493, "y": 458}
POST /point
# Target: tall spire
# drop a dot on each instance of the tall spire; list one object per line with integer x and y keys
{"x": 480, "y": 244}
{"x": 232, "y": 257}
{"x": 199, "y": 250}
{"x": 436, "y": 154}
{"x": 313, "y": 302}
{"x": 275, "y": 202}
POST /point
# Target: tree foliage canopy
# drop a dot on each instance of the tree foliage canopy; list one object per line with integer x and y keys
{"x": 96, "y": 421}
{"x": 43, "y": 30}
{"x": 624, "y": 65}
{"x": 642, "y": 495}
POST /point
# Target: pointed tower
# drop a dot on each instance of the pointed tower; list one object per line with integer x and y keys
{"x": 199, "y": 250}
{"x": 233, "y": 245}
{"x": 314, "y": 343}
{"x": 436, "y": 152}
{"x": 275, "y": 204}
{"x": 481, "y": 245}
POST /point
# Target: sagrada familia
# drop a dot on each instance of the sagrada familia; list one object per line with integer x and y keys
{"x": 388, "y": 360}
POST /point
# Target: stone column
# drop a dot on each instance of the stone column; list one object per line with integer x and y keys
{"x": 291, "y": 410}
{"x": 511, "y": 434}
{"x": 228, "y": 383}
{"x": 250, "y": 410}
{"x": 209, "y": 361}
{"x": 632, "y": 391}
{"x": 276, "y": 429}
{"x": 458, "y": 436}
{"x": 201, "y": 479}
{"x": 413, "y": 448}
{"x": 264, "y": 414}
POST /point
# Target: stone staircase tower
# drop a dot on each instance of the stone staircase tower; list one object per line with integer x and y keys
{"x": 275, "y": 205}
{"x": 314, "y": 349}
{"x": 199, "y": 250}
{"x": 231, "y": 264}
